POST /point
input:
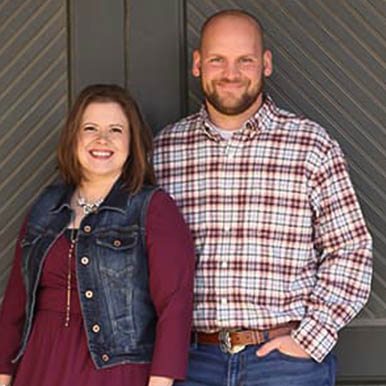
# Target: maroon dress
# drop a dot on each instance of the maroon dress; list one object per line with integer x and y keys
{"x": 58, "y": 355}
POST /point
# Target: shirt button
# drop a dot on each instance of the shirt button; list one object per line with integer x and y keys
{"x": 117, "y": 243}
{"x": 87, "y": 228}
{"x": 89, "y": 294}
{"x": 224, "y": 264}
{"x": 84, "y": 260}
{"x": 105, "y": 358}
{"x": 224, "y": 301}
{"x": 96, "y": 328}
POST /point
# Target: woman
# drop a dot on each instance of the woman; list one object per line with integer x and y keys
{"x": 101, "y": 288}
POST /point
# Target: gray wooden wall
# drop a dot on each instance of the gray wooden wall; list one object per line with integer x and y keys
{"x": 33, "y": 104}
{"x": 329, "y": 58}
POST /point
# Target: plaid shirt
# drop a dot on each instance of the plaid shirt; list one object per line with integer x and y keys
{"x": 278, "y": 230}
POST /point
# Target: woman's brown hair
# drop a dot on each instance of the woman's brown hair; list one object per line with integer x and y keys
{"x": 138, "y": 168}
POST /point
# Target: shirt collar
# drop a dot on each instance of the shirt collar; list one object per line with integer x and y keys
{"x": 255, "y": 123}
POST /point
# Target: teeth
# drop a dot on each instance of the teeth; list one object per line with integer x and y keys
{"x": 99, "y": 153}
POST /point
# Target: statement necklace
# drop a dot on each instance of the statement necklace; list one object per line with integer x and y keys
{"x": 88, "y": 206}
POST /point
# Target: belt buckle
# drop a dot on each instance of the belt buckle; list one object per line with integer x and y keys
{"x": 224, "y": 337}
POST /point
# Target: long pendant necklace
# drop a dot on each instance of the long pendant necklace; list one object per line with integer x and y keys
{"x": 69, "y": 276}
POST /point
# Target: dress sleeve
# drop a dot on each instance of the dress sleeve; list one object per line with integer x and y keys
{"x": 345, "y": 258}
{"x": 171, "y": 267}
{"x": 12, "y": 314}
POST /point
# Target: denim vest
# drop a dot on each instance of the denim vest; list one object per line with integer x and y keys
{"x": 111, "y": 262}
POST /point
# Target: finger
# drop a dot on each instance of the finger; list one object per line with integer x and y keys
{"x": 267, "y": 348}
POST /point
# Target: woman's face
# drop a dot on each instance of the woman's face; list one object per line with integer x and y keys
{"x": 103, "y": 141}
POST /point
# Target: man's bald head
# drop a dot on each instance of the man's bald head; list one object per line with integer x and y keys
{"x": 232, "y": 65}
{"x": 229, "y": 14}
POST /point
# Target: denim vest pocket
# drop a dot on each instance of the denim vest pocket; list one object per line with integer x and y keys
{"x": 117, "y": 240}
{"x": 116, "y": 249}
{"x": 116, "y": 267}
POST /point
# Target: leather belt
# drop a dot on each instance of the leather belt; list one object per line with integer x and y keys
{"x": 235, "y": 341}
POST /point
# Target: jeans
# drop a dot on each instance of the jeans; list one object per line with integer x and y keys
{"x": 209, "y": 366}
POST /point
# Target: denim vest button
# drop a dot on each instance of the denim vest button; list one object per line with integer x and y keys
{"x": 84, "y": 260}
{"x": 89, "y": 294}
{"x": 96, "y": 328}
{"x": 87, "y": 228}
{"x": 117, "y": 243}
{"x": 105, "y": 358}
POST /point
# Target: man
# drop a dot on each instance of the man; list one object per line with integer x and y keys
{"x": 283, "y": 254}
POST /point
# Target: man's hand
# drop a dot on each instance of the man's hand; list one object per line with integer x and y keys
{"x": 160, "y": 381}
{"x": 284, "y": 344}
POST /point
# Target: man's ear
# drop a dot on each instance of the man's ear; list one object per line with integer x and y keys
{"x": 267, "y": 63}
{"x": 196, "y": 65}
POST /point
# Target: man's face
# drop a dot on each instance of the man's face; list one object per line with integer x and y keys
{"x": 232, "y": 65}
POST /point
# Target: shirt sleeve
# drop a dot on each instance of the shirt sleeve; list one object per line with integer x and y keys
{"x": 344, "y": 250}
{"x": 12, "y": 314}
{"x": 171, "y": 267}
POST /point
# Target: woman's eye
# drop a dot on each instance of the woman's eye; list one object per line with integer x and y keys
{"x": 89, "y": 128}
{"x": 116, "y": 129}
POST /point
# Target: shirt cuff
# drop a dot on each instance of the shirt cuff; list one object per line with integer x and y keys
{"x": 314, "y": 338}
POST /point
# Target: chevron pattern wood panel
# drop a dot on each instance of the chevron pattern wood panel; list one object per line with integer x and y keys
{"x": 330, "y": 64}
{"x": 33, "y": 104}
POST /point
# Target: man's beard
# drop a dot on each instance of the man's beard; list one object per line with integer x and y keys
{"x": 241, "y": 104}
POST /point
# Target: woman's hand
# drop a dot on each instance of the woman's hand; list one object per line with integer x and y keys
{"x": 5, "y": 379}
{"x": 160, "y": 381}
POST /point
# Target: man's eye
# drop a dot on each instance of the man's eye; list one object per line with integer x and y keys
{"x": 215, "y": 60}
{"x": 246, "y": 60}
